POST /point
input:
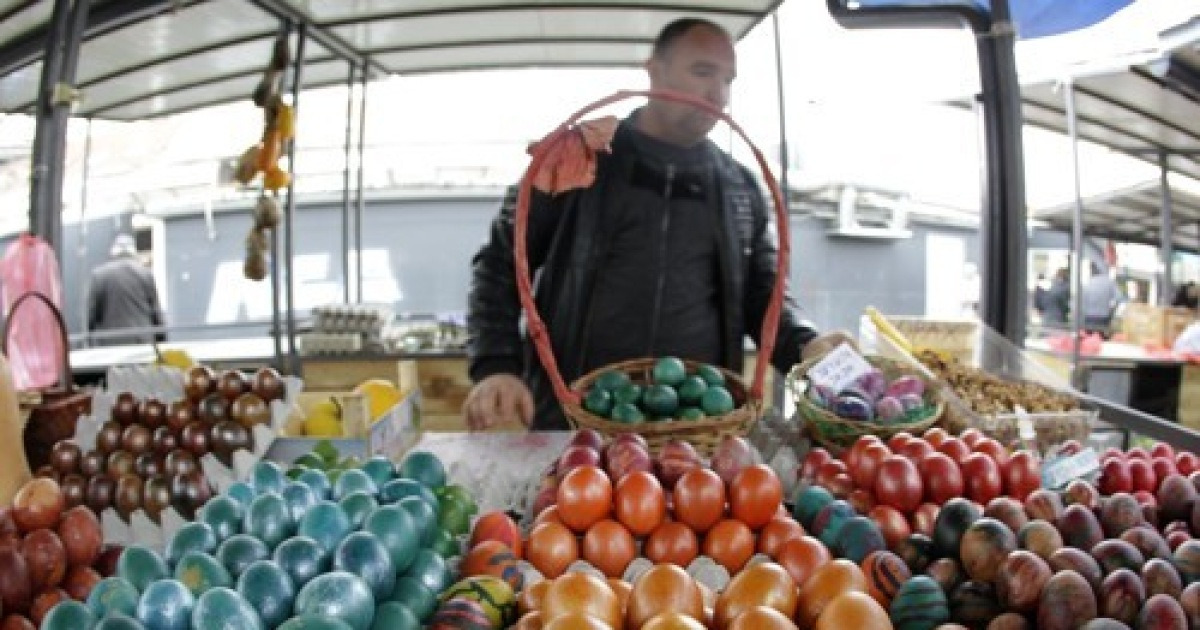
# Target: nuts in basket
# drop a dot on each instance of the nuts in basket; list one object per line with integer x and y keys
{"x": 986, "y": 394}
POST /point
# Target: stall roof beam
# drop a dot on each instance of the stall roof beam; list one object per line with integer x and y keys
{"x": 717, "y": 8}
{"x": 290, "y": 13}
{"x": 217, "y": 43}
{"x": 104, "y": 17}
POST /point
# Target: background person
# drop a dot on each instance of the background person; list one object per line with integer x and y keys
{"x": 122, "y": 296}
{"x": 1099, "y": 301}
{"x": 1057, "y": 303}
{"x": 670, "y": 252}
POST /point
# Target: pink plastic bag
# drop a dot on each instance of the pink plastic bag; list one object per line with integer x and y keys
{"x": 34, "y": 343}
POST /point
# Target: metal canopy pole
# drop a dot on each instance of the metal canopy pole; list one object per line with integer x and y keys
{"x": 1003, "y": 230}
{"x": 360, "y": 202}
{"x": 68, "y": 22}
{"x": 290, "y": 211}
{"x": 346, "y": 185}
{"x": 276, "y": 282}
{"x": 1075, "y": 263}
{"x": 83, "y": 203}
{"x": 1167, "y": 246}
{"x": 783, "y": 143}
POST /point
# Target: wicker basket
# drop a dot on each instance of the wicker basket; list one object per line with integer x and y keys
{"x": 703, "y": 434}
{"x": 836, "y": 433}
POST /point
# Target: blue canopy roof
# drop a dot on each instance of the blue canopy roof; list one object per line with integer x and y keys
{"x": 1033, "y": 18}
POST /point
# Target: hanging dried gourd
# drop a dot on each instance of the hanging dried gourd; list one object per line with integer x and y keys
{"x": 279, "y": 128}
{"x": 266, "y": 212}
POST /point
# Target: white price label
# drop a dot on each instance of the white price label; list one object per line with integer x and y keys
{"x": 1058, "y": 472}
{"x": 839, "y": 368}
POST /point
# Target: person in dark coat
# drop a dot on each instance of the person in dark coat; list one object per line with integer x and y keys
{"x": 122, "y": 297}
{"x": 1057, "y": 301}
{"x": 670, "y": 252}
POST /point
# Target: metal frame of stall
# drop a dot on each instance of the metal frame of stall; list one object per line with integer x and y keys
{"x": 69, "y": 24}
{"x": 1004, "y": 231}
{"x": 59, "y": 42}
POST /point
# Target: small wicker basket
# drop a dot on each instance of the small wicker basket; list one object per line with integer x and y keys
{"x": 704, "y": 434}
{"x": 836, "y": 433}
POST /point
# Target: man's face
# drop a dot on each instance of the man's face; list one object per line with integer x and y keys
{"x": 701, "y": 63}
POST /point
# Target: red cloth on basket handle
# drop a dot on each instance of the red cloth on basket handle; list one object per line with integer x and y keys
{"x": 564, "y": 142}
{"x": 571, "y": 154}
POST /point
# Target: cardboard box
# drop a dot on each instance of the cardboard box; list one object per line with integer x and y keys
{"x": 344, "y": 373}
{"x": 355, "y": 413}
{"x": 1143, "y": 323}
{"x": 398, "y": 429}
{"x": 391, "y": 435}
{"x": 1154, "y": 325}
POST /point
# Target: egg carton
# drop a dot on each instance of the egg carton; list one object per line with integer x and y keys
{"x": 165, "y": 384}
{"x": 352, "y": 318}
{"x": 325, "y": 343}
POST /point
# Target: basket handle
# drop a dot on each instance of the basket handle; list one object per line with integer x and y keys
{"x": 537, "y": 327}
{"x": 64, "y": 378}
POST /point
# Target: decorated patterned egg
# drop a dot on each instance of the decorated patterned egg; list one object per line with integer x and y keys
{"x": 920, "y": 604}
{"x": 889, "y": 408}
{"x": 492, "y": 557}
{"x": 460, "y": 614}
{"x": 885, "y": 573}
{"x": 494, "y": 595}
{"x": 907, "y": 385}
{"x": 872, "y": 383}
{"x": 853, "y": 408}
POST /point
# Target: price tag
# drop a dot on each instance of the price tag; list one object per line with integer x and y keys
{"x": 839, "y": 368}
{"x": 1057, "y": 472}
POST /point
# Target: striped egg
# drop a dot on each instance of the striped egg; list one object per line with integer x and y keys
{"x": 493, "y": 594}
{"x": 920, "y": 604}
{"x": 492, "y": 557}
{"x": 885, "y": 572}
{"x": 460, "y": 614}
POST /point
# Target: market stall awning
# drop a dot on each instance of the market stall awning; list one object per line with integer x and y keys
{"x": 1146, "y": 110}
{"x": 151, "y": 58}
{"x": 1132, "y": 215}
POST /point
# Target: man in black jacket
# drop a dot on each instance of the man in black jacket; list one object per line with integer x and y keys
{"x": 122, "y": 297}
{"x": 671, "y": 252}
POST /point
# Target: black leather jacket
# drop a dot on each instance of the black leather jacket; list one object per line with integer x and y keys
{"x": 566, "y": 244}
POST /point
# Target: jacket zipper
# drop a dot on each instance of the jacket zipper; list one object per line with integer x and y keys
{"x": 661, "y": 281}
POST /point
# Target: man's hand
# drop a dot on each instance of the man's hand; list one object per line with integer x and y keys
{"x": 498, "y": 399}
{"x": 825, "y": 343}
